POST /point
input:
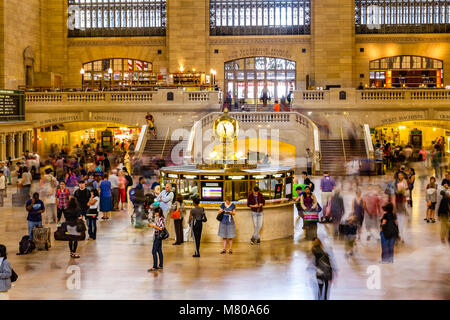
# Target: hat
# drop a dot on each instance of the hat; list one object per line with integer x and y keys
{"x": 154, "y": 184}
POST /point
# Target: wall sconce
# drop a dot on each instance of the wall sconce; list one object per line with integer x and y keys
{"x": 181, "y": 68}
{"x": 82, "y": 70}
{"x": 110, "y": 70}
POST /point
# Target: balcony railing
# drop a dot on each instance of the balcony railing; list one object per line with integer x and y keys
{"x": 114, "y": 97}
{"x": 349, "y": 96}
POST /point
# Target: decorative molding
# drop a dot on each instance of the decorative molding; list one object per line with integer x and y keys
{"x": 117, "y": 42}
{"x": 245, "y": 41}
{"x": 403, "y": 39}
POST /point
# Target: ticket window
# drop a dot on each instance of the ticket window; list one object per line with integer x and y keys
{"x": 239, "y": 190}
{"x": 264, "y": 187}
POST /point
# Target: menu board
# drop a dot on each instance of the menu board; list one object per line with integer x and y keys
{"x": 12, "y": 105}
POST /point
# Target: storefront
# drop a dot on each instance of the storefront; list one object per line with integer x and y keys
{"x": 68, "y": 135}
{"x": 406, "y": 72}
{"x": 415, "y": 133}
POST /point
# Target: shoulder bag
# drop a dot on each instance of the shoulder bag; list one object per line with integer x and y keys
{"x": 220, "y": 216}
{"x": 163, "y": 234}
{"x": 204, "y": 219}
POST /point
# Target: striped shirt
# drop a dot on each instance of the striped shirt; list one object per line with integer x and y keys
{"x": 160, "y": 223}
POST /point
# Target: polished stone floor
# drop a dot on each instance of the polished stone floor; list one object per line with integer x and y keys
{"x": 115, "y": 266}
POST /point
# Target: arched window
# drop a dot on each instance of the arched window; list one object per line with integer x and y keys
{"x": 259, "y": 17}
{"x": 117, "y": 72}
{"x": 100, "y": 18}
{"x": 406, "y": 71}
{"x": 402, "y": 16}
{"x": 246, "y": 78}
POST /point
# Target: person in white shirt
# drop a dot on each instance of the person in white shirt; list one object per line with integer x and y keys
{"x": 165, "y": 199}
{"x": 114, "y": 179}
{"x": 2, "y": 187}
{"x": 92, "y": 214}
{"x": 26, "y": 183}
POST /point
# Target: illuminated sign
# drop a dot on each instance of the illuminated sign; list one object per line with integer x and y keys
{"x": 236, "y": 177}
{"x": 189, "y": 176}
{"x": 278, "y": 175}
{"x": 172, "y": 175}
{"x": 261, "y": 176}
{"x": 212, "y": 177}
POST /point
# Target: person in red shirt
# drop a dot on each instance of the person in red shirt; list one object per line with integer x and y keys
{"x": 276, "y": 107}
{"x": 373, "y": 212}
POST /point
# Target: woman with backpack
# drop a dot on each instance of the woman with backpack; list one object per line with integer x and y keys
{"x": 388, "y": 233}
{"x": 72, "y": 214}
{"x": 324, "y": 269}
{"x": 6, "y": 272}
{"x": 157, "y": 241}
{"x": 196, "y": 219}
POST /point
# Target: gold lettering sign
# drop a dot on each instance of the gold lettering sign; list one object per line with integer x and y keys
{"x": 251, "y": 52}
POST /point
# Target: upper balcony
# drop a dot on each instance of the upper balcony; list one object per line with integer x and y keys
{"x": 165, "y": 99}
{"x": 350, "y": 98}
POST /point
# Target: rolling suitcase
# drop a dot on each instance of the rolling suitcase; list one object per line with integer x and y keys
{"x": 41, "y": 238}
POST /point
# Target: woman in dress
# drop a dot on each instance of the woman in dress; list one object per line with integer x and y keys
{"x": 411, "y": 180}
{"x": 227, "y": 227}
{"x": 105, "y": 197}
{"x": 178, "y": 205}
{"x": 72, "y": 214}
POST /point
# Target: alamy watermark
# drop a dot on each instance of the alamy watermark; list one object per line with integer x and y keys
{"x": 74, "y": 18}
{"x": 73, "y": 282}
{"x": 373, "y": 17}
{"x": 374, "y": 280}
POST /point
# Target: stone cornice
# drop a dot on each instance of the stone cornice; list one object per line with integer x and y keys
{"x": 401, "y": 39}
{"x": 84, "y": 42}
{"x": 252, "y": 40}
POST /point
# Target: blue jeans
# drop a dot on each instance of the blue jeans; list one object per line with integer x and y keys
{"x": 309, "y": 168}
{"x": 92, "y": 227}
{"x": 387, "y": 248}
{"x": 257, "y": 224}
{"x": 31, "y": 225}
{"x": 157, "y": 250}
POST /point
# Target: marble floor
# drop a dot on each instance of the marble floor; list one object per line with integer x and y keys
{"x": 115, "y": 266}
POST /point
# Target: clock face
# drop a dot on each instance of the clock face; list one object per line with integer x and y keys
{"x": 225, "y": 129}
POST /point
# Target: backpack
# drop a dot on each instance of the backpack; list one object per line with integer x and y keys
{"x": 390, "y": 229}
{"x": 26, "y": 245}
{"x": 133, "y": 195}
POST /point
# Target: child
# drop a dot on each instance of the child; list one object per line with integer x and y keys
{"x": 431, "y": 199}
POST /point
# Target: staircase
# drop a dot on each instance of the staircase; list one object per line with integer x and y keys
{"x": 333, "y": 155}
{"x": 154, "y": 147}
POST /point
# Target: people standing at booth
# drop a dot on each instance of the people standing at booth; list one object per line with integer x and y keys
{"x": 310, "y": 208}
{"x": 62, "y": 200}
{"x": 227, "y": 227}
{"x": 255, "y": 202}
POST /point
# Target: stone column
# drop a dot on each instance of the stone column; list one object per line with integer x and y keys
{"x": 19, "y": 144}
{"x": 12, "y": 145}
{"x": 2, "y": 146}
{"x": 333, "y": 42}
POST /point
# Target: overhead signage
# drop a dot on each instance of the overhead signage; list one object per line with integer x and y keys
{"x": 172, "y": 175}
{"x": 260, "y": 176}
{"x": 189, "y": 176}
{"x": 212, "y": 177}
{"x": 278, "y": 175}
{"x": 236, "y": 177}
{"x": 12, "y": 105}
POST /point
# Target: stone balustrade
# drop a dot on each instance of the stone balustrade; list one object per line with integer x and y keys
{"x": 350, "y": 97}
{"x": 162, "y": 96}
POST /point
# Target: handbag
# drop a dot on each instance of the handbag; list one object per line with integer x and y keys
{"x": 220, "y": 216}
{"x": 14, "y": 276}
{"x": 175, "y": 214}
{"x": 163, "y": 234}
{"x": 312, "y": 216}
{"x": 204, "y": 218}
